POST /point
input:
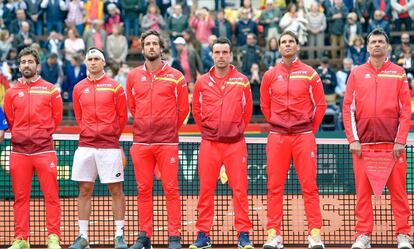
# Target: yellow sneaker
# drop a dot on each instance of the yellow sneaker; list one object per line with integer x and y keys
{"x": 53, "y": 242}
{"x": 20, "y": 244}
{"x": 273, "y": 241}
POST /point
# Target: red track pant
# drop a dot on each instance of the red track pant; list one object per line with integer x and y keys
{"x": 280, "y": 150}
{"x": 211, "y": 157}
{"x": 145, "y": 157}
{"x": 22, "y": 168}
{"x": 396, "y": 185}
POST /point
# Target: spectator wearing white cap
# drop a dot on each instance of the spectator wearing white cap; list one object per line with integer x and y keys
{"x": 189, "y": 59}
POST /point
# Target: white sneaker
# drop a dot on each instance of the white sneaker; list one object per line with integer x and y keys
{"x": 404, "y": 242}
{"x": 315, "y": 242}
{"x": 362, "y": 242}
{"x": 273, "y": 241}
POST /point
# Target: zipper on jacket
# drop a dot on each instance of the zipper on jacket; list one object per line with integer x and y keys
{"x": 287, "y": 95}
{"x": 151, "y": 92}
{"x": 29, "y": 97}
{"x": 375, "y": 104}
{"x": 94, "y": 103}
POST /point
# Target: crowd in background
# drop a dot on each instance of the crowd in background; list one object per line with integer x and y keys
{"x": 61, "y": 30}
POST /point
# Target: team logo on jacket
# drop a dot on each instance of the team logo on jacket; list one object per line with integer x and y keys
{"x": 52, "y": 165}
{"x": 86, "y": 91}
{"x": 279, "y": 77}
{"x": 173, "y": 160}
{"x": 143, "y": 78}
{"x": 312, "y": 154}
{"x": 210, "y": 83}
{"x": 367, "y": 76}
{"x": 401, "y": 159}
{"x": 21, "y": 94}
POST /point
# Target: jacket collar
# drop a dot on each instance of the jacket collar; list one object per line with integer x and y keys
{"x": 23, "y": 82}
{"x": 213, "y": 68}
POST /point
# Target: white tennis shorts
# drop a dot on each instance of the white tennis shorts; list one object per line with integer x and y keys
{"x": 91, "y": 162}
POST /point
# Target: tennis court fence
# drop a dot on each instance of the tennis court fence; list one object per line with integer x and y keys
{"x": 334, "y": 177}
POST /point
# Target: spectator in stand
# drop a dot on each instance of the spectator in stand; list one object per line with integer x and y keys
{"x": 255, "y": 80}
{"x": 203, "y": 23}
{"x": 113, "y": 18}
{"x": 117, "y": 46}
{"x": 13, "y": 64}
{"x": 153, "y": 19}
{"x": 35, "y": 13}
{"x": 4, "y": 85}
{"x": 24, "y": 38}
{"x": 245, "y": 26}
{"x": 94, "y": 11}
{"x": 328, "y": 78}
{"x": 271, "y": 54}
{"x": 75, "y": 71}
{"x": 405, "y": 42}
{"x": 222, "y": 26}
{"x": 51, "y": 71}
{"x": 401, "y": 10}
{"x": 163, "y": 5}
{"x": 406, "y": 60}
{"x": 75, "y": 16}
{"x": 364, "y": 10}
{"x": 269, "y": 19}
{"x": 352, "y": 28}
{"x": 131, "y": 10}
{"x": 379, "y": 22}
{"x": 5, "y": 14}
{"x": 219, "y": 5}
{"x": 295, "y": 22}
{"x": 177, "y": 22}
{"x": 249, "y": 54}
{"x": 252, "y": 12}
{"x": 55, "y": 45}
{"x": 121, "y": 76}
{"x": 55, "y": 13}
{"x": 191, "y": 41}
{"x": 316, "y": 29}
{"x": 341, "y": 79}
{"x": 40, "y": 51}
{"x": 16, "y": 24}
{"x": 206, "y": 54}
{"x": 384, "y": 6}
{"x": 336, "y": 17}
{"x": 96, "y": 36}
{"x": 358, "y": 52}
{"x": 173, "y": 62}
{"x": 189, "y": 60}
{"x": 6, "y": 41}
{"x": 73, "y": 44}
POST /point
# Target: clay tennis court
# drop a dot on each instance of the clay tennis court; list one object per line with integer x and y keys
{"x": 337, "y": 212}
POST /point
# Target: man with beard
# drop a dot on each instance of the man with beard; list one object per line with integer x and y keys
{"x": 376, "y": 113}
{"x": 100, "y": 109}
{"x": 222, "y": 107}
{"x": 158, "y": 100}
{"x": 292, "y": 101}
{"x": 33, "y": 109}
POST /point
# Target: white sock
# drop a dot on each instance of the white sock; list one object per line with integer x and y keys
{"x": 119, "y": 225}
{"x": 83, "y": 228}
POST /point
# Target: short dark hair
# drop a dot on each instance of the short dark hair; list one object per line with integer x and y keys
{"x": 378, "y": 31}
{"x": 222, "y": 40}
{"x": 291, "y": 33}
{"x": 151, "y": 32}
{"x": 29, "y": 51}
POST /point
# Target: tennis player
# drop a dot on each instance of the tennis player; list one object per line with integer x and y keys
{"x": 33, "y": 109}
{"x": 377, "y": 114}
{"x": 100, "y": 109}
{"x": 293, "y": 102}
{"x": 222, "y": 107}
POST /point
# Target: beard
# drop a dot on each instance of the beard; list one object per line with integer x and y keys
{"x": 27, "y": 73}
{"x": 152, "y": 57}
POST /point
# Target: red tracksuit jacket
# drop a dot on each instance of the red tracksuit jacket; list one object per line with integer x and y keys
{"x": 101, "y": 112}
{"x": 222, "y": 114}
{"x": 377, "y": 104}
{"x": 33, "y": 112}
{"x": 158, "y": 102}
{"x": 292, "y": 99}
